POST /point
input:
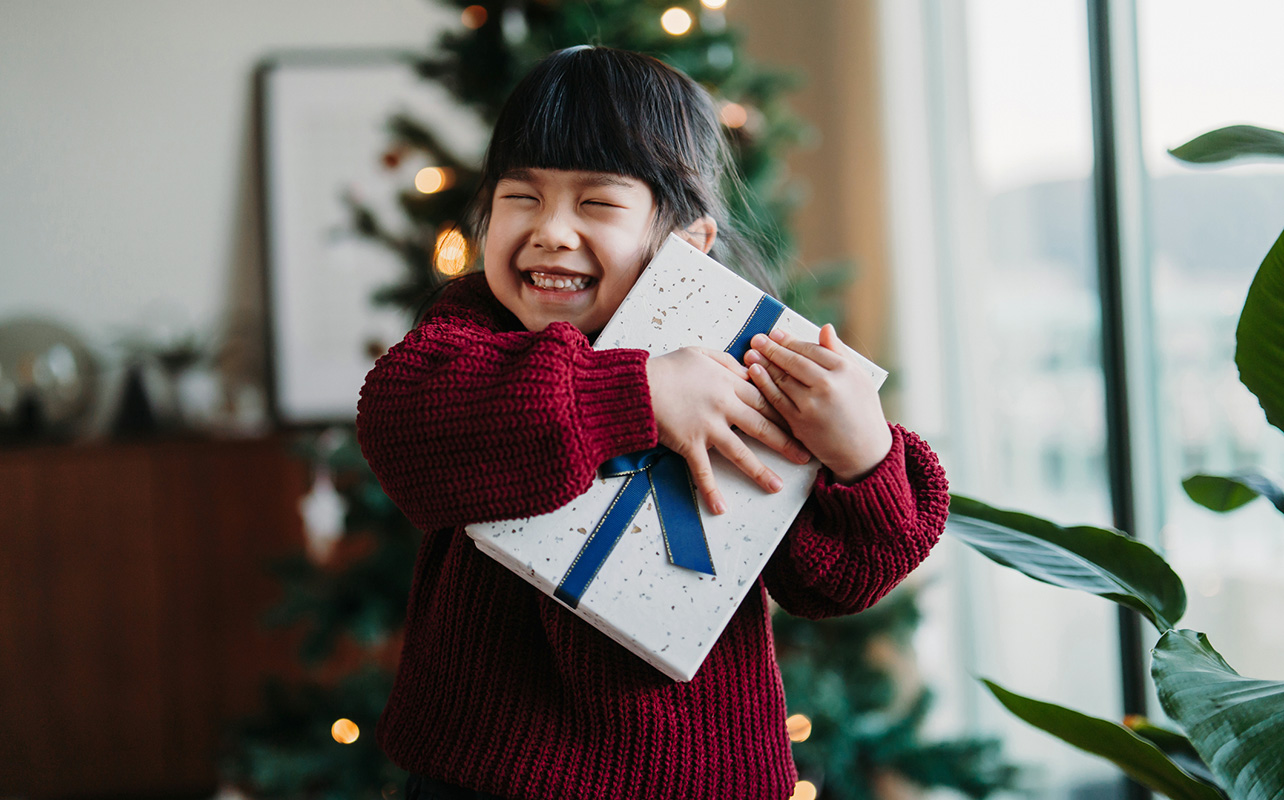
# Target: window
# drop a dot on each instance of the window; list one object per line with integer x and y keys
{"x": 990, "y": 170}
{"x": 1201, "y": 69}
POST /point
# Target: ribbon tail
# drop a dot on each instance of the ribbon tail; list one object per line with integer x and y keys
{"x": 679, "y": 512}
{"x": 597, "y": 548}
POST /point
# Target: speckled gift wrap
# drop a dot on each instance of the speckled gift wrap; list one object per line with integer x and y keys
{"x": 668, "y": 615}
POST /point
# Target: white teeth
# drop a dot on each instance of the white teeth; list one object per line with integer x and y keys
{"x": 544, "y": 280}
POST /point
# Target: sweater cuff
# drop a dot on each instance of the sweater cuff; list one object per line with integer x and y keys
{"x": 880, "y": 503}
{"x": 614, "y": 399}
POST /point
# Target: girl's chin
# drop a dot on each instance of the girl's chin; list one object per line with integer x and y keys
{"x": 542, "y": 307}
{"x": 540, "y": 317}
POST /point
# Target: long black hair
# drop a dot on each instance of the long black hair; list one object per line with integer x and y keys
{"x": 605, "y": 110}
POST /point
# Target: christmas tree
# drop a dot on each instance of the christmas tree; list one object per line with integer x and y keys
{"x": 857, "y": 709}
{"x": 502, "y": 41}
{"x": 315, "y": 736}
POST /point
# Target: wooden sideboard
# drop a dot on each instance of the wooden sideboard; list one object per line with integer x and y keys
{"x": 132, "y": 585}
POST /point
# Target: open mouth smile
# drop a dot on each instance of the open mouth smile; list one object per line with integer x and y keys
{"x": 551, "y": 282}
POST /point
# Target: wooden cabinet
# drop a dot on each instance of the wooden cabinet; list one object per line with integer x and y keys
{"x": 132, "y": 585}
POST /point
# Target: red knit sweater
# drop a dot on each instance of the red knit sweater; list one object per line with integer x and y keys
{"x": 470, "y": 419}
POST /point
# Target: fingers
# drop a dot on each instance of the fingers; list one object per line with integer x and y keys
{"x": 754, "y": 399}
{"x": 772, "y": 434}
{"x": 737, "y": 452}
{"x": 829, "y": 338}
{"x": 747, "y": 393}
{"x": 803, "y": 360}
{"x": 727, "y": 360}
{"x": 782, "y": 392}
{"x": 704, "y": 409}
{"x": 702, "y": 476}
{"x": 733, "y": 448}
{"x": 769, "y": 380}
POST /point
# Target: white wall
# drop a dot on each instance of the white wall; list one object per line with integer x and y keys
{"x": 126, "y": 151}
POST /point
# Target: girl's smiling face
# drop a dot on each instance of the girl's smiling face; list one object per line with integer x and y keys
{"x": 567, "y": 245}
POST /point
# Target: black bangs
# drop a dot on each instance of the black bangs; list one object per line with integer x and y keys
{"x": 599, "y": 110}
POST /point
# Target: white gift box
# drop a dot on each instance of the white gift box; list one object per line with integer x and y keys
{"x": 669, "y": 615}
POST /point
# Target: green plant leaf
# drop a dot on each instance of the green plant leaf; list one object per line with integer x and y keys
{"x": 1166, "y": 739}
{"x": 1259, "y": 338}
{"x": 1175, "y": 745}
{"x": 1235, "y": 141}
{"x": 1137, "y": 757}
{"x": 1235, "y": 723}
{"x": 1095, "y": 560}
{"x": 1227, "y": 493}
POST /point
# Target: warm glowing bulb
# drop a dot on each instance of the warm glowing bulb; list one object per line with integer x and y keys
{"x": 345, "y": 731}
{"x": 714, "y": 4}
{"x": 452, "y": 251}
{"x": 804, "y": 790}
{"x": 675, "y": 21}
{"x": 799, "y": 728}
{"x": 433, "y": 179}
{"x": 733, "y": 115}
{"x": 473, "y": 17}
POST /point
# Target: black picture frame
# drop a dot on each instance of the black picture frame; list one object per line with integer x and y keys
{"x": 323, "y": 135}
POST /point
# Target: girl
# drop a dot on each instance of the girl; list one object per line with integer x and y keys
{"x": 496, "y": 407}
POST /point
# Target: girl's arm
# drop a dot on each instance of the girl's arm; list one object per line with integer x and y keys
{"x": 463, "y": 422}
{"x": 851, "y": 544}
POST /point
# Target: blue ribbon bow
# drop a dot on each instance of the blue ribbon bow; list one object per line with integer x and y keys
{"x": 668, "y": 480}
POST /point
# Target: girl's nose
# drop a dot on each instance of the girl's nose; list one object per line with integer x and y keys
{"x": 554, "y": 231}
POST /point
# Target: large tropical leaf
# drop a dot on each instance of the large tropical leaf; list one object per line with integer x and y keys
{"x": 1259, "y": 339}
{"x": 1137, "y": 757}
{"x": 1175, "y": 745}
{"x": 1236, "y": 723}
{"x": 1103, "y": 562}
{"x": 1235, "y": 141}
{"x": 1232, "y": 491}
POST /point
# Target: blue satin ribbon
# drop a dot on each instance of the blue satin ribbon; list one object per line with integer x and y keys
{"x": 669, "y": 482}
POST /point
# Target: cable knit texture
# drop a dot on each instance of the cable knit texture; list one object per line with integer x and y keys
{"x": 472, "y": 419}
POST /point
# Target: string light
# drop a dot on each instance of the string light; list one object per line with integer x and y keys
{"x": 714, "y": 5}
{"x": 452, "y": 250}
{"x": 799, "y": 728}
{"x": 431, "y": 180}
{"x": 345, "y": 731}
{"x": 675, "y": 21}
{"x": 473, "y": 17}
{"x": 804, "y": 790}
{"x": 733, "y": 115}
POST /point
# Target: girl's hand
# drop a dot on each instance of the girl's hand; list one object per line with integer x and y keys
{"x": 826, "y": 398}
{"x": 697, "y": 396}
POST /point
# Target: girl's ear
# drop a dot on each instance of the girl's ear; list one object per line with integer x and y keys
{"x": 701, "y": 233}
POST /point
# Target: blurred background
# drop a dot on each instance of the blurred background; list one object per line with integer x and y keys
{"x": 200, "y": 203}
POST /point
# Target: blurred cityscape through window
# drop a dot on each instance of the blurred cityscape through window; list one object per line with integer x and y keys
{"x": 1015, "y": 368}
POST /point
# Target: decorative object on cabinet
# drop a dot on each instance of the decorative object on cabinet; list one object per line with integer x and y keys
{"x": 47, "y": 379}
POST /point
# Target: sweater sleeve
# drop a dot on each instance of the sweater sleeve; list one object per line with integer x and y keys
{"x": 466, "y": 422}
{"x": 851, "y": 544}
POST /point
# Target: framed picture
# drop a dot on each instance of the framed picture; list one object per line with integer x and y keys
{"x": 323, "y": 136}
